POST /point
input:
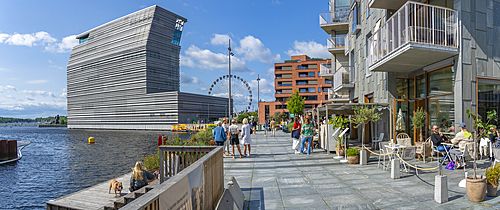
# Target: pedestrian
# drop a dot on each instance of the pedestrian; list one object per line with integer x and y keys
{"x": 246, "y": 140}
{"x": 307, "y": 131}
{"x": 266, "y": 126}
{"x": 273, "y": 127}
{"x": 219, "y": 135}
{"x": 296, "y": 134}
{"x": 254, "y": 126}
{"x": 226, "y": 143}
{"x": 234, "y": 132}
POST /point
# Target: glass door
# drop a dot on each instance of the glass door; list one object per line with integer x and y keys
{"x": 402, "y": 117}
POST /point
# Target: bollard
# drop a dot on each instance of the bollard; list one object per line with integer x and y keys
{"x": 441, "y": 189}
{"x": 395, "y": 174}
{"x": 363, "y": 157}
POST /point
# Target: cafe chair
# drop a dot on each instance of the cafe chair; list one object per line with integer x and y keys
{"x": 376, "y": 141}
{"x": 409, "y": 155}
{"x": 424, "y": 149}
{"x": 383, "y": 151}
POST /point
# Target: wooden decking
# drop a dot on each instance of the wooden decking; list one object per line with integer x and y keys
{"x": 95, "y": 197}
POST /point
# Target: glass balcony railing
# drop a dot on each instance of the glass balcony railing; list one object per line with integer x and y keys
{"x": 325, "y": 69}
{"x": 337, "y": 42}
{"x": 418, "y": 23}
{"x": 333, "y": 18}
{"x": 341, "y": 77}
{"x": 332, "y": 95}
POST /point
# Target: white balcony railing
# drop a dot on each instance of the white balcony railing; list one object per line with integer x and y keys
{"x": 333, "y": 18}
{"x": 325, "y": 69}
{"x": 337, "y": 42}
{"x": 346, "y": 46}
{"x": 341, "y": 77}
{"x": 416, "y": 23}
{"x": 332, "y": 95}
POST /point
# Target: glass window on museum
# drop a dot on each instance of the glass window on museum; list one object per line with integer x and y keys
{"x": 441, "y": 112}
{"x": 488, "y": 97}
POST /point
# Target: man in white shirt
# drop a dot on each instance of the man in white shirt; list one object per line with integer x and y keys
{"x": 226, "y": 142}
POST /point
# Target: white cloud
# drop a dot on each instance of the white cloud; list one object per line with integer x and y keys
{"x": 50, "y": 61}
{"x": 7, "y": 87}
{"x": 4, "y": 69}
{"x": 270, "y": 72}
{"x": 10, "y": 96}
{"x": 220, "y": 39}
{"x": 277, "y": 2}
{"x": 203, "y": 89}
{"x": 252, "y": 74}
{"x": 36, "y": 82}
{"x": 64, "y": 93}
{"x": 206, "y": 59}
{"x": 52, "y": 94}
{"x": 31, "y": 108}
{"x": 35, "y": 93}
{"x": 311, "y": 49}
{"x": 57, "y": 67}
{"x": 185, "y": 79}
{"x": 27, "y": 39}
{"x": 266, "y": 86}
{"x": 253, "y": 49}
{"x": 64, "y": 46}
{"x": 29, "y": 98}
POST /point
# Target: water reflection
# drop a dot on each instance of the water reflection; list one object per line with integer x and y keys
{"x": 60, "y": 161}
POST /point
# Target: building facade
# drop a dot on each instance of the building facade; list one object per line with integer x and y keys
{"x": 124, "y": 74}
{"x": 442, "y": 56}
{"x": 302, "y": 74}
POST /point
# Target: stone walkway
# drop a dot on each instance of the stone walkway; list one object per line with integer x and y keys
{"x": 273, "y": 177}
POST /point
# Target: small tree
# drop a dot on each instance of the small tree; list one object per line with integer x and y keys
{"x": 418, "y": 121}
{"x": 364, "y": 115}
{"x": 481, "y": 128}
{"x": 296, "y": 104}
{"x": 278, "y": 116}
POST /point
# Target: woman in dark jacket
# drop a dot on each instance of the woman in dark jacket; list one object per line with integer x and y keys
{"x": 139, "y": 177}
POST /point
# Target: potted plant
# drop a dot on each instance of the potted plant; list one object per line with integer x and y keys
{"x": 492, "y": 176}
{"x": 476, "y": 184}
{"x": 418, "y": 121}
{"x": 352, "y": 155}
{"x": 362, "y": 116}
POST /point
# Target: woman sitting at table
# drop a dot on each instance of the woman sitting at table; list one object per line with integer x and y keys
{"x": 461, "y": 138}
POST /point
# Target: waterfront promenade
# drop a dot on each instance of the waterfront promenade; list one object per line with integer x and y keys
{"x": 276, "y": 178}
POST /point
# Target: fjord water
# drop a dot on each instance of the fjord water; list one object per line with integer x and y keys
{"x": 60, "y": 161}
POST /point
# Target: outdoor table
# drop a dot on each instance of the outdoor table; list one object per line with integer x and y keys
{"x": 395, "y": 166}
{"x": 395, "y": 148}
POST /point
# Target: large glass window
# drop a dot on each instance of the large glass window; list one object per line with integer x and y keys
{"x": 402, "y": 88}
{"x": 442, "y": 113}
{"x": 342, "y": 5}
{"x": 488, "y": 97}
{"x": 440, "y": 82}
{"x": 420, "y": 86}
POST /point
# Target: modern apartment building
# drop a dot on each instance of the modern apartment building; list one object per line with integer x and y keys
{"x": 302, "y": 74}
{"x": 439, "y": 55}
{"x": 124, "y": 74}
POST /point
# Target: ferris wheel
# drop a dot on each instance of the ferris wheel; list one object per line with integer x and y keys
{"x": 241, "y": 92}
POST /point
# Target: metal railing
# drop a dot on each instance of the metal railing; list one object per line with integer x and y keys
{"x": 418, "y": 23}
{"x": 325, "y": 69}
{"x": 335, "y": 42}
{"x": 180, "y": 162}
{"x": 333, "y": 18}
{"x": 341, "y": 77}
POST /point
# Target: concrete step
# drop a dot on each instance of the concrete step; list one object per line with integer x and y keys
{"x": 132, "y": 196}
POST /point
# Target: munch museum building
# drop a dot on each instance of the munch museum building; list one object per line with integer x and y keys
{"x": 124, "y": 74}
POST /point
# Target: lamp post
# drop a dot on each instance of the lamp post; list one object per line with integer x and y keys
{"x": 230, "y": 54}
{"x": 258, "y": 96}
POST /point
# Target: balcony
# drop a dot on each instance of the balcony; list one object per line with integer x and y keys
{"x": 325, "y": 70}
{"x": 337, "y": 96}
{"x": 386, "y": 4}
{"x": 334, "y": 21}
{"x": 341, "y": 80}
{"x": 346, "y": 45}
{"x": 336, "y": 44}
{"x": 415, "y": 36}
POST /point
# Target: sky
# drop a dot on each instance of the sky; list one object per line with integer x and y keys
{"x": 36, "y": 38}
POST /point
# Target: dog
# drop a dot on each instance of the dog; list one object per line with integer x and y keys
{"x": 116, "y": 185}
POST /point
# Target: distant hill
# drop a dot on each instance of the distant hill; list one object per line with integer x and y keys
{"x": 27, "y": 120}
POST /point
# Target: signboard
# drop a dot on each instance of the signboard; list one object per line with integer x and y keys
{"x": 188, "y": 193}
{"x": 292, "y": 115}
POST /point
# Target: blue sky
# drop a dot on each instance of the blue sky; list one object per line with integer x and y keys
{"x": 36, "y": 38}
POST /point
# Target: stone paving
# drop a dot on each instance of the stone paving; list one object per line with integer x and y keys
{"x": 273, "y": 177}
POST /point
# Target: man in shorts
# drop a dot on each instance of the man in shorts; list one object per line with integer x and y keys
{"x": 234, "y": 132}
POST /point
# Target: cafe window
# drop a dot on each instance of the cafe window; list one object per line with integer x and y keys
{"x": 420, "y": 86}
{"x": 442, "y": 113}
{"x": 488, "y": 97}
{"x": 440, "y": 82}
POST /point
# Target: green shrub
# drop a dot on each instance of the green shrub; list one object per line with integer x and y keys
{"x": 352, "y": 152}
{"x": 289, "y": 126}
{"x": 151, "y": 162}
{"x": 493, "y": 174}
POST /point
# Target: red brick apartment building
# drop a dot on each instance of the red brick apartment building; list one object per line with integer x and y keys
{"x": 300, "y": 73}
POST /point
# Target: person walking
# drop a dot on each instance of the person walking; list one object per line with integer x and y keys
{"x": 273, "y": 127}
{"x": 219, "y": 135}
{"x": 296, "y": 134}
{"x": 234, "y": 132}
{"x": 307, "y": 131}
{"x": 246, "y": 140}
{"x": 266, "y": 127}
{"x": 226, "y": 143}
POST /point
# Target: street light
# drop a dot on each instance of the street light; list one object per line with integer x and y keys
{"x": 230, "y": 54}
{"x": 258, "y": 96}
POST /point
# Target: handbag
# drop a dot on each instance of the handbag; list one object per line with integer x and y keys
{"x": 451, "y": 165}
{"x": 295, "y": 134}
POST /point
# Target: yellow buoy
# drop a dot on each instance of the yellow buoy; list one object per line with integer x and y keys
{"x": 91, "y": 140}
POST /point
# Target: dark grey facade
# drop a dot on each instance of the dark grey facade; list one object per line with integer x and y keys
{"x": 125, "y": 75}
